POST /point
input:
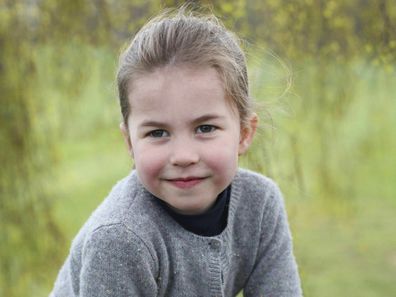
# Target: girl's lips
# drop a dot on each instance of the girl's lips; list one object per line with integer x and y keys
{"x": 185, "y": 183}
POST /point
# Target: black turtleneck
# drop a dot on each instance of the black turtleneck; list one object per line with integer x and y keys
{"x": 210, "y": 223}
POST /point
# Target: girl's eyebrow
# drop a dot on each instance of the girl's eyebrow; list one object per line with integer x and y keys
{"x": 150, "y": 123}
{"x": 208, "y": 117}
{"x": 200, "y": 119}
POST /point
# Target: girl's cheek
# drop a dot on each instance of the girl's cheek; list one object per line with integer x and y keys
{"x": 223, "y": 160}
{"x": 149, "y": 161}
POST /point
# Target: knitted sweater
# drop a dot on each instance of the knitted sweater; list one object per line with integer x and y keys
{"x": 130, "y": 246}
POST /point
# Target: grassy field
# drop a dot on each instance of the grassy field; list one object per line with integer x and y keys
{"x": 329, "y": 142}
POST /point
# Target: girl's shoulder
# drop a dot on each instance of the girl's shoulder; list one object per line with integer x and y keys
{"x": 126, "y": 212}
{"x": 254, "y": 194}
{"x": 115, "y": 207}
{"x": 252, "y": 181}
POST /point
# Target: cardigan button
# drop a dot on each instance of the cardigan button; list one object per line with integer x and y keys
{"x": 215, "y": 244}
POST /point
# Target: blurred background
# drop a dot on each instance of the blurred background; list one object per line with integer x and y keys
{"x": 323, "y": 75}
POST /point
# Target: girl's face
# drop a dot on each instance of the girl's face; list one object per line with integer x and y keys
{"x": 184, "y": 136}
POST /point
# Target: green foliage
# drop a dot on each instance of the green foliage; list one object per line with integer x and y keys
{"x": 29, "y": 232}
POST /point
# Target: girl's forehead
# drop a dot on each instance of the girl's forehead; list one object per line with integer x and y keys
{"x": 172, "y": 90}
{"x": 175, "y": 73}
{"x": 173, "y": 82}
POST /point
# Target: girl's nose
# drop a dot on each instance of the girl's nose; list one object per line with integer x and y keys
{"x": 184, "y": 154}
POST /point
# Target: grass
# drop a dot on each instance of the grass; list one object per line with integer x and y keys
{"x": 87, "y": 176}
{"x": 331, "y": 149}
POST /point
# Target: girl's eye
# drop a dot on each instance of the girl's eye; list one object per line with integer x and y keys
{"x": 206, "y": 129}
{"x": 158, "y": 133}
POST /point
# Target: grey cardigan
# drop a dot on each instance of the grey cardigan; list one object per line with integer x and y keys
{"x": 130, "y": 246}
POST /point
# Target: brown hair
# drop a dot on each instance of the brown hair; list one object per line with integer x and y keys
{"x": 183, "y": 37}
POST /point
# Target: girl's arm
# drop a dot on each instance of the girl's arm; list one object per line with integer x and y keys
{"x": 115, "y": 262}
{"x": 275, "y": 272}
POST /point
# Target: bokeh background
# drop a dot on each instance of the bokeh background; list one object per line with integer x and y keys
{"x": 322, "y": 72}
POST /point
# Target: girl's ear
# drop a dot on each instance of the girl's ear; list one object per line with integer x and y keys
{"x": 127, "y": 138}
{"x": 247, "y": 134}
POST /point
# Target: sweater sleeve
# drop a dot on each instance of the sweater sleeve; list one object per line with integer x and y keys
{"x": 116, "y": 263}
{"x": 275, "y": 272}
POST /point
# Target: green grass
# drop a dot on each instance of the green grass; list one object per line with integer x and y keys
{"x": 91, "y": 167}
{"x": 331, "y": 149}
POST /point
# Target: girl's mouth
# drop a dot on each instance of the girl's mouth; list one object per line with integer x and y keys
{"x": 186, "y": 183}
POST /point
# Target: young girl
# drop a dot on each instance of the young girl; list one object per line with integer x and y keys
{"x": 187, "y": 221}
